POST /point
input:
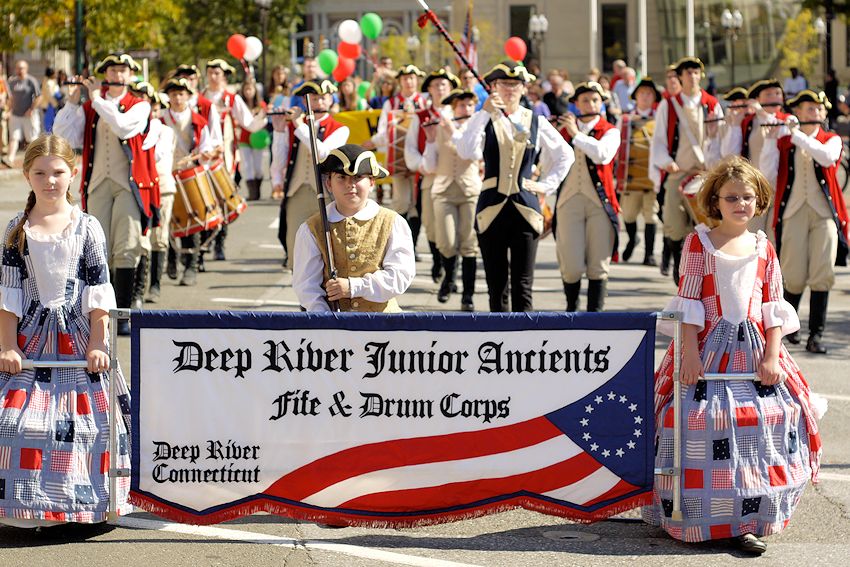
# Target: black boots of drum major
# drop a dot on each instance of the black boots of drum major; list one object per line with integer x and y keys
{"x": 818, "y": 304}
{"x": 448, "y": 285}
{"x": 597, "y": 291}
{"x": 156, "y": 270}
{"x": 140, "y": 283}
{"x": 634, "y": 240}
{"x": 123, "y": 285}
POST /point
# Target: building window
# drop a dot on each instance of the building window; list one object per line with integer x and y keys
{"x": 614, "y": 34}
{"x": 519, "y": 22}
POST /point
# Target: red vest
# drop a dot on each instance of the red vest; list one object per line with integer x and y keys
{"x": 747, "y": 129}
{"x": 203, "y": 107}
{"x": 708, "y": 104}
{"x": 829, "y": 184}
{"x": 324, "y": 128}
{"x": 144, "y": 181}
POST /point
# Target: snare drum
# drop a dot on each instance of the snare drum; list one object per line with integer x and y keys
{"x": 689, "y": 188}
{"x": 195, "y": 206}
{"x": 232, "y": 203}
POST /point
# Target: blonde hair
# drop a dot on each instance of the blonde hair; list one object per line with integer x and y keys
{"x": 44, "y": 145}
{"x": 733, "y": 168}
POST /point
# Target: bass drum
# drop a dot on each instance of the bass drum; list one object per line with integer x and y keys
{"x": 195, "y": 206}
{"x": 689, "y": 188}
{"x": 232, "y": 203}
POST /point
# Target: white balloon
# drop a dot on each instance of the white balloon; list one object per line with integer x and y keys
{"x": 349, "y": 31}
{"x": 253, "y": 48}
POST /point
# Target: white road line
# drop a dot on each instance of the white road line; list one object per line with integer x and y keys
{"x": 834, "y": 476}
{"x": 275, "y": 224}
{"x": 836, "y": 397}
{"x": 270, "y": 246}
{"x": 258, "y": 538}
{"x": 254, "y": 302}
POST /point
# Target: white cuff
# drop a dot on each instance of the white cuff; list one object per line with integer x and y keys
{"x": 12, "y": 300}
{"x": 355, "y": 287}
{"x": 100, "y": 296}
{"x": 780, "y": 314}
{"x": 692, "y": 310}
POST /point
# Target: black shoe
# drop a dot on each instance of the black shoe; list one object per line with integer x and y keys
{"x": 171, "y": 267}
{"x": 749, "y": 543}
{"x": 201, "y": 266}
{"x": 468, "y": 267}
{"x": 794, "y": 338}
{"x": 631, "y": 231}
{"x": 450, "y": 265}
{"x": 649, "y": 261}
{"x": 6, "y": 162}
{"x": 219, "y": 254}
{"x": 814, "y": 346}
{"x": 190, "y": 274}
{"x": 140, "y": 283}
{"x": 437, "y": 266}
{"x": 572, "y": 290}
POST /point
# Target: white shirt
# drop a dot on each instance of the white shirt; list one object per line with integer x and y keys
{"x": 399, "y": 265}
{"x": 70, "y": 121}
{"x": 659, "y": 153}
{"x": 280, "y": 147}
{"x": 380, "y": 138}
{"x": 825, "y": 154}
{"x": 600, "y": 151}
{"x": 556, "y": 155}
{"x": 793, "y": 86}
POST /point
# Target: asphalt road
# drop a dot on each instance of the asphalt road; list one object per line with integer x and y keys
{"x": 251, "y": 279}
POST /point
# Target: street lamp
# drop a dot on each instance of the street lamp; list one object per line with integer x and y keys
{"x": 820, "y": 29}
{"x": 538, "y": 25}
{"x": 413, "y": 44}
{"x": 264, "y": 6}
{"x": 732, "y": 22}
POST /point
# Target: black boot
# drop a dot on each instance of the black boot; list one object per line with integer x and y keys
{"x": 436, "y": 267}
{"x": 665, "y": 257}
{"x": 171, "y": 268}
{"x": 219, "y": 244}
{"x": 253, "y": 189}
{"x": 572, "y": 290}
{"x": 597, "y": 290}
{"x": 123, "y": 285}
{"x": 649, "y": 245}
{"x": 468, "y": 266}
{"x": 676, "y": 256}
{"x": 450, "y": 265}
{"x": 818, "y": 302}
{"x": 190, "y": 273}
{"x": 140, "y": 283}
{"x": 631, "y": 231}
{"x": 794, "y": 300}
{"x": 157, "y": 264}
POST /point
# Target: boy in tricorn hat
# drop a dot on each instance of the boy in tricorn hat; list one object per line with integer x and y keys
{"x": 372, "y": 246}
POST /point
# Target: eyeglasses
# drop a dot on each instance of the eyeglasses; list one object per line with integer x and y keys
{"x": 733, "y": 199}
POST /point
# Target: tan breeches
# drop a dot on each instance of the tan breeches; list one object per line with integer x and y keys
{"x": 807, "y": 254}
{"x": 585, "y": 239}
{"x": 159, "y": 234}
{"x": 116, "y": 209}
{"x": 677, "y": 222}
{"x": 428, "y": 215}
{"x": 402, "y": 201}
{"x": 300, "y": 206}
{"x": 454, "y": 222}
{"x": 634, "y": 203}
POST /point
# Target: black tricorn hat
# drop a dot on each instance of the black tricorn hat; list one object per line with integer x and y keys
{"x": 352, "y": 159}
{"x": 117, "y": 59}
{"x": 809, "y": 95}
{"x": 221, "y": 64}
{"x": 177, "y": 83}
{"x": 186, "y": 70}
{"x": 688, "y": 63}
{"x": 409, "y": 69}
{"x": 459, "y": 94}
{"x": 509, "y": 70}
{"x": 315, "y": 87}
{"x": 759, "y": 86}
{"x": 738, "y": 93}
{"x": 647, "y": 82}
{"x": 589, "y": 87}
{"x": 440, "y": 74}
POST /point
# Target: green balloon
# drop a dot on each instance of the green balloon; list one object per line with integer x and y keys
{"x": 371, "y": 25}
{"x": 363, "y": 88}
{"x": 260, "y": 139}
{"x": 328, "y": 60}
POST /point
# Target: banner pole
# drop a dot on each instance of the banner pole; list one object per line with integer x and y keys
{"x": 677, "y": 420}
{"x": 113, "y": 431}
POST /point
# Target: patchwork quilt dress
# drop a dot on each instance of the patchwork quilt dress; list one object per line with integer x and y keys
{"x": 748, "y": 450}
{"x": 54, "y": 423}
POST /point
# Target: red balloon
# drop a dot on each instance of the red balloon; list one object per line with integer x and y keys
{"x": 515, "y": 48}
{"x": 236, "y": 45}
{"x": 349, "y": 50}
{"x": 344, "y": 68}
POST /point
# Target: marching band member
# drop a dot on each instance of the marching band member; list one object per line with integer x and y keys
{"x": 201, "y": 104}
{"x": 810, "y": 216}
{"x": 438, "y": 84}
{"x": 683, "y": 143}
{"x": 393, "y": 125}
{"x": 192, "y": 143}
{"x": 233, "y": 112}
{"x": 508, "y": 216}
{"x": 586, "y": 221}
{"x": 371, "y": 245}
{"x": 292, "y": 165}
{"x": 455, "y": 191}
{"x": 119, "y": 185}
{"x": 745, "y": 137}
{"x": 672, "y": 87}
{"x": 636, "y": 180}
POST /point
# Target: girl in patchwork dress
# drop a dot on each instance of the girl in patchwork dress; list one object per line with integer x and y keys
{"x": 749, "y": 447}
{"x": 55, "y": 297}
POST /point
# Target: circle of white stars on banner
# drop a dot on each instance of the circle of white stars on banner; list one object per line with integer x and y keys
{"x": 620, "y": 400}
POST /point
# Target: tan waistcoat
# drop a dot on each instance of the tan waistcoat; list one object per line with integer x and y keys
{"x": 359, "y": 248}
{"x": 110, "y": 161}
{"x": 452, "y": 169}
{"x": 685, "y": 156}
{"x": 806, "y": 189}
{"x": 578, "y": 181}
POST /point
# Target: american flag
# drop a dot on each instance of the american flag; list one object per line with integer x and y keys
{"x": 470, "y": 48}
{"x": 587, "y": 461}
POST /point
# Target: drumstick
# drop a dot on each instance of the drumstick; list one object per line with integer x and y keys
{"x": 103, "y": 83}
{"x": 738, "y": 106}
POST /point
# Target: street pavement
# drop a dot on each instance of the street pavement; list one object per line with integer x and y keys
{"x": 252, "y": 279}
